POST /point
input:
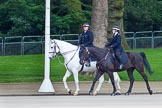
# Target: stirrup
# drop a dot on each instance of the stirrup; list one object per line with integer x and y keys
{"x": 121, "y": 66}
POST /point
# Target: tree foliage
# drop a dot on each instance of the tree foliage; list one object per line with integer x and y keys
{"x": 66, "y": 15}
{"x": 21, "y": 17}
{"x": 142, "y": 15}
{"x": 27, "y": 17}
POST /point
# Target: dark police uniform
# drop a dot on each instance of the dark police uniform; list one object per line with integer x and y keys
{"x": 86, "y": 39}
{"x": 115, "y": 43}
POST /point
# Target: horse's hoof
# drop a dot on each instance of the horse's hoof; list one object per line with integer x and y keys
{"x": 113, "y": 94}
{"x": 91, "y": 93}
{"x": 117, "y": 93}
{"x": 75, "y": 94}
{"x": 127, "y": 93}
{"x": 95, "y": 93}
{"x": 151, "y": 92}
{"x": 69, "y": 92}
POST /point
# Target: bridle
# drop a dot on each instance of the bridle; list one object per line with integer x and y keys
{"x": 63, "y": 53}
{"x": 87, "y": 53}
{"x": 98, "y": 63}
{"x": 54, "y": 48}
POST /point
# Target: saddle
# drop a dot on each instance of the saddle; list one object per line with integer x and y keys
{"x": 123, "y": 59}
{"x": 114, "y": 59}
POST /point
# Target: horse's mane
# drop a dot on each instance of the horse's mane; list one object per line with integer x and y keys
{"x": 68, "y": 45}
{"x": 62, "y": 41}
{"x": 99, "y": 51}
{"x": 102, "y": 50}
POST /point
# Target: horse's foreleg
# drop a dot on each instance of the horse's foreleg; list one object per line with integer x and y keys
{"x": 131, "y": 78}
{"x": 101, "y": 80}
{"x": 67, "y": 74}
{"x": 113, "y": 82}
{"x": 76, "y": 83}
{"x": 98, "y": 75}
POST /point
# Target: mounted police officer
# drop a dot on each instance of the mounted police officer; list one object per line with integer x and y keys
{"x": 115, "y": 44}
{"x": 86, "y": 38}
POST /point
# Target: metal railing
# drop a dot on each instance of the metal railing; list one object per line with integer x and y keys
{"x": 144, "y": 39}
{"x": 25, "y": 45}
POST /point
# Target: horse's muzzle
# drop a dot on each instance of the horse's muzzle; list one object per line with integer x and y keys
{"x": 50, "y": 58}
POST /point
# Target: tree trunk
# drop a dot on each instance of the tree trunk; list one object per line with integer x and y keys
{"x": 106, "y": 14}
{"x": 115, "y": 17}
{"x": 99, "y": 21}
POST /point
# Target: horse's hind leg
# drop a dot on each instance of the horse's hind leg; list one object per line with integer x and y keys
{"x": 146, "y": 80}
{"x": 101, "y": 80}
{"x": 131, "y": 78}
{"x": 98, "y": 75}
{"x": 67, "y": 74}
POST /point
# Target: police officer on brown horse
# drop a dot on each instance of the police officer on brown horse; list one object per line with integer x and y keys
{"x": 115, "y": 44}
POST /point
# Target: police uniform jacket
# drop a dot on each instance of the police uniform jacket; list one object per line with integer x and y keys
{"x": 86, "y": 39}
{"x": 115, "y": 43}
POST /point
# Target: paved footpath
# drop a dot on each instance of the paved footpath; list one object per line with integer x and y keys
{"x": 32, "y": 88}
{"x": 101, "y": 101}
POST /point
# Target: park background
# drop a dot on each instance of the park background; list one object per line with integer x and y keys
{"x": 19, "y": 18}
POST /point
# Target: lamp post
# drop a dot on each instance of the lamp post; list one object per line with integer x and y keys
{"x": 46, "y": 85}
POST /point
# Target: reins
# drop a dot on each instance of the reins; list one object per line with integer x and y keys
{"x": 64, "y": 53}
{"x": 104, "y": 58}
{"x": 71, "y": 58}
{"x": 59, "y": 60}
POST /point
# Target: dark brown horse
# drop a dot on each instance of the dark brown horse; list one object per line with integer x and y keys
{"x": 105, "y": 63}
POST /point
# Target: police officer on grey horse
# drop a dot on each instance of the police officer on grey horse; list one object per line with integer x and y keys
{"x": 115, "y": 44}
{"x": 86, "y": 38}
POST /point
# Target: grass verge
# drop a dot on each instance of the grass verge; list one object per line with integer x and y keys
{"x": 30, "y": 68}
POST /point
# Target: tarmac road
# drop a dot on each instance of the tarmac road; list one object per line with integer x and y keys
{"x": 82, "y": 101}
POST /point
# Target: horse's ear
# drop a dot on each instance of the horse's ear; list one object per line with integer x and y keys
{"x": 52, "y": 41}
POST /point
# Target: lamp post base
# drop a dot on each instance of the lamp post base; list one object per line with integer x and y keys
{"x": 46, "y": 86}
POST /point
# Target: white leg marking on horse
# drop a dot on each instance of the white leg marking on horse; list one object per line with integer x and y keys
{"x": 67, "y": 74}
{"x": 101, "y": 80}
{"x": 76, "y": 83}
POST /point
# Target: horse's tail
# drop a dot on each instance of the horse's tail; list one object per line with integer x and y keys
{"x": 146, "y": 63}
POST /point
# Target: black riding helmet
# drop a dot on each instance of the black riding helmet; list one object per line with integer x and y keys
{"x": 86, "y": 24}
{"x": 115, "y": 28}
